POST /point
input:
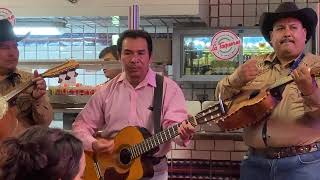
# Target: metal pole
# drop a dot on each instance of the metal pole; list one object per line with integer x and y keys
{"x": 134, "y": 17}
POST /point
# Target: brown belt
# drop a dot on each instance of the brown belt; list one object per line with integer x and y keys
{"x": 276, "y": 153}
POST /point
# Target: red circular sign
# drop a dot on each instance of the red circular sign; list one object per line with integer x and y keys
{"x": 225, "y": 45}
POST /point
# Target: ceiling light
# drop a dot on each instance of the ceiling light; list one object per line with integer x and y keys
{"x": 115, "y": 20}
{"x": 115, "y": 38}
{"x": 37, "y": 30}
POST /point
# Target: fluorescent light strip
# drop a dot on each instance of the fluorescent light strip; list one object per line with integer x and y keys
{"x": 37, "y": 30}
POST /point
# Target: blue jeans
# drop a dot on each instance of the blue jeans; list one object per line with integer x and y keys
{"x": 300, "y": 167}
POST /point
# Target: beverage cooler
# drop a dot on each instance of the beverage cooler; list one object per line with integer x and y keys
{"x": 193, "y": 61}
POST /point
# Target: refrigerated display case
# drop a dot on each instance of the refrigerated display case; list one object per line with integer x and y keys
{"x": 255, "y": 45}
{"x": 193, "y": 61}
{"x": 198, "y": 60}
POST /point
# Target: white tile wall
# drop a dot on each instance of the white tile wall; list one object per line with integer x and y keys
{"x": 214, "y": 1}
{"x": 204, "y": 155}
{"x": 225, "y": 21}
{"x": 262, "y": 1}
{"x": 237, "y": 1}
{"x": 261, "y": 8}
{"x": 237, "y": 10}
{"x": 204, "y": 145}
{"x": 214, "y": 11}
{"x": 224, "y": 145}
{"x": 225, "y": 10}
{"x": 225, "y": 1}
{"x": 236, "y": 21}
{"x": 250, "y": 10}
{"x": 250, "y": 21}
{"x": 249, "y": 1}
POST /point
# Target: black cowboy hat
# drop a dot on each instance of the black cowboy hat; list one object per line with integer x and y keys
{"x": 6, "y": 32}
{"x": 307, "y": 16}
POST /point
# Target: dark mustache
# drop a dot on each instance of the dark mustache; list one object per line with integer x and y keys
{"x": 285, "y": 40}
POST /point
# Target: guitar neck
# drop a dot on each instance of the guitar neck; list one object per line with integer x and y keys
{"x": 157, "y": 139}
{"x": 212, "y": 113}
{"x": 8, "y": 97}
{"x": 53, "y": 72}
{"x": 282, "y": 81}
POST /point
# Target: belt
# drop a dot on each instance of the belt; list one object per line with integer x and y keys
{"x": 282, "y": 152}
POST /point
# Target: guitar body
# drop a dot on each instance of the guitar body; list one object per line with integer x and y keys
{"x": 8, "y": 124}
{"x": 112, "y": 166}
{"x": 248, "y": 109}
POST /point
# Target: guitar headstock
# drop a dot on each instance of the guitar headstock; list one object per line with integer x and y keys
{"x": 61, "y": 69}
{"x": 212, "y": 113}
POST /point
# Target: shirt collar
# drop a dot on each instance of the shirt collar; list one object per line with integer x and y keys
{"x": 150, "y": 79}
{"x": 271, "y": 58}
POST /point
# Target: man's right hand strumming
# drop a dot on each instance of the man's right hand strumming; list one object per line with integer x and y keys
{"x": 103, "y": 145}
{"x": 248, "y": 71}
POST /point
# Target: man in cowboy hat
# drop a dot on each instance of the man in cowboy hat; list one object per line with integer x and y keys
{"x": 286, "y": 144}
{"x": 32, "y": 106}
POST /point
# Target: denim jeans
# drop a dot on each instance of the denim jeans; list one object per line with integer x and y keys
{"x": 300, "y": 167}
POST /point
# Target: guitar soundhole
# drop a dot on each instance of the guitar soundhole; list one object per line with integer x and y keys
{"x": 254, "y": 94}
{"x": 125, "y": 156}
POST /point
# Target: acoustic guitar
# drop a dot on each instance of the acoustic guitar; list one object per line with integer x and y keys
{"x": 251, "y": 107}
{"x": 8, "y": 120}
{"x": 133, "y": 147}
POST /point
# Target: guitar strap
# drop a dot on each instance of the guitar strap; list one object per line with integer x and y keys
{"x": 277, "y": 91}
{"x": 157, "y": 103}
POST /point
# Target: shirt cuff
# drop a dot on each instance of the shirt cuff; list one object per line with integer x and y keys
{"x": 181, "y": 142}
{"x": 312, "y": 99}
{"x": 234, "y": 80}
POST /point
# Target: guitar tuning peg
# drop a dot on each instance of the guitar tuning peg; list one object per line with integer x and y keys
{"x": 67, "y": 77}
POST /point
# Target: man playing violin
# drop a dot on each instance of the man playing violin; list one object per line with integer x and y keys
{"x": 32, "y": 106}
{"x": 286, "y": 144}
{"x": 127, "y": 100}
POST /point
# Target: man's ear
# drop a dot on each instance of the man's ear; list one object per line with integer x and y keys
{"x": 150, "y": 59}
{"x": 305, "y": 35}
{"x": 271, "y": 37}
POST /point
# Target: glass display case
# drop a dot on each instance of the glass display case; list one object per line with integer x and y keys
{"x": 193, "y": 61}
{"x": 255, "y": 45}
{"x": 198, "y": 60}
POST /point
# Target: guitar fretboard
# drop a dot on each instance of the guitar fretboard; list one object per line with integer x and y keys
{"x": 282, "y": 81}
{"x": 210, "y": 114}
{"x": 157, "y": 139}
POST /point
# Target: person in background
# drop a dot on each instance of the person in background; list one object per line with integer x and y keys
{"x": 110, "y": 54}
{"x": 286, "y": 144}
{"x": 42, "y": 153}
{"x": 32, "y": 105}
{"x": 127, "y": 100}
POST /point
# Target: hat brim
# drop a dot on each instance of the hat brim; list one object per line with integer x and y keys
{"x": 307, "y": 16}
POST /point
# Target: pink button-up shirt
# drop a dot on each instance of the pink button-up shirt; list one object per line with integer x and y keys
{"x": 118, "y": 105}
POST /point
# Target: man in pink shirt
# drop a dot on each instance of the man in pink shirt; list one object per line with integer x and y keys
{"x": 127, "y": 100}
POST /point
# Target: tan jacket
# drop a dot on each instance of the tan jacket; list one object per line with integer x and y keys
{"x": 295, "y": 120}
{"x": 29, "y": 111}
